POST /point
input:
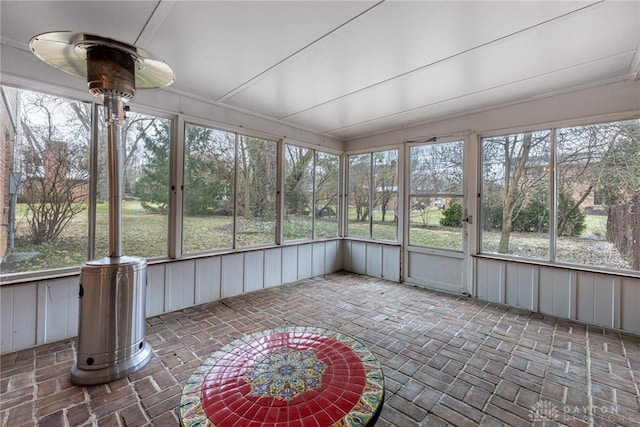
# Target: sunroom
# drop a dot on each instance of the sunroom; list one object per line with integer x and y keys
{"x": 481, "y": 154}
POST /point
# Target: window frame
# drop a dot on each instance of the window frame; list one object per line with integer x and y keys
{"x": 347, "y": 197}
{"x": 95, "y": 116}
{"x": 462, "y": 139}
{"x": 238, "y": 134}
{"x": 94, "y": 181}
{"x": 313, "y": 166}
{"x": 552, "y": 127}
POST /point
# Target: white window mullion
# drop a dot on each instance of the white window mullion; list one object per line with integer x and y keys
{"x": 313, "y": 195}
{"x": 344, "y": 196}
{"x": 234, "y": 228}
{"x": 371, "y": 194}
{"x": 176, "y": 188}
{"x": 553, "y": 197}
{"x": 280, "y": 207}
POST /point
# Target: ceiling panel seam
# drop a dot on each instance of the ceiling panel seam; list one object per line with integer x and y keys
{"x": 541, "y": 95}
{"x": 423, "y": 67}
{"x": 157, "y": 17}
{"x": 232, "y": 108}
{"x": 252, "y": 80}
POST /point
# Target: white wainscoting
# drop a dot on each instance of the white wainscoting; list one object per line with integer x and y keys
{"x": 590, "y": 297}
{"x": 38, "y": 312}
{"x": 35, "y": 313}
{"x": 44, "y": 311}
{"x": 375, "y": 259}
{"x": 436, "y": 270}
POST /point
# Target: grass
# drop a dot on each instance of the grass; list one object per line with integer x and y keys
{"x": 301, "y": 227}
{"x": 145, "y": 234}
{"x": 596, "y": 225}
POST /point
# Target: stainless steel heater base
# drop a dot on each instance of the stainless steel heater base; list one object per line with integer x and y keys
{"x": 122, "y": 369}
{"x": 111, "y": 331}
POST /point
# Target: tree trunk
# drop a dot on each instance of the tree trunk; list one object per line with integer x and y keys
{"x": 512, "y": 184}
{"x": 296, "y": 201}
{"x": 563, "y": 222}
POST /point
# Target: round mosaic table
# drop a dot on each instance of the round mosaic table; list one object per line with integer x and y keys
{"x": 291, "y": 376}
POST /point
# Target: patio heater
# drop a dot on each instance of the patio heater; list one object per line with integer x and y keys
{"x": 111, "y": 332}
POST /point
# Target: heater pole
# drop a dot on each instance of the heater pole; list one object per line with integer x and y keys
{"x": 115, "y": 115}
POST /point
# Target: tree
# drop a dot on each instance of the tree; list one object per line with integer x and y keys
{"x": 437, "y": 169}
{"x": 533, "y": 217}
{"x": 359, "y": 183}
{"x": 298, "y": 180}
{"x": 54, "y": 156}
{"x": 151, "y": 186}
{"x": 327, "y": 184}
{"x": 602, "y": 158}
{"x": 452, "y": 216}
{"x": 209, "y": 171}
{"x": 579, "y": 157}
{"x": 572, "y": 219}
{"x": 386, "y": 180}
{"x": 619, "y": 174}
{"x": 516, "y": 166}
{"x": 137, "y": 130}
{"x": 257, "y": 165}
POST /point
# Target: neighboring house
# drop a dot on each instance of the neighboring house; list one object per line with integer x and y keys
{"x": 56, "y": 176}
{"x": 578, "y": 179}
{"x": 7, "y": 155}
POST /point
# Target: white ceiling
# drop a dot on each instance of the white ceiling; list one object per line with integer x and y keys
{"x": 348, "y": 69}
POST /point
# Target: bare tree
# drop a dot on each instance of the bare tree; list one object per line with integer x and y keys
{"x": 298, "y": 180}
{"x": 53, "y": 151}
{"x": 600, "y": 158}
{"x": 517, "y": 166}
{"x": 386, "y": 180}
{"x": 257, "y": 163}
{"x": 359, "y": 182}
{"x": 327, "y": 178}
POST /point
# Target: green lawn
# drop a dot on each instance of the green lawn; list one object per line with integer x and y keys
{"x": 596, "y": 225}
{"x": 145, "y": 234}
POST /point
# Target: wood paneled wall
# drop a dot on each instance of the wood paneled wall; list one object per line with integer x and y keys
{"x": 595, "y": 298}
{"x": 38, "y": 312}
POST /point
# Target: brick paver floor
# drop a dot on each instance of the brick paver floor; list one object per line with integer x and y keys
{"x": 447, "y": 360}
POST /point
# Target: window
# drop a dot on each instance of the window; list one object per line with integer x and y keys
{"x": 326, "y": 192}
{"x": 598, "y": 177}
{"x": 52, "y": 175}
{"x": 359, "y": 196}
{"x": 257, "y": 172}
{"x": 48, "y": 191}
{"x": 436, "y": 195}
{"x": 515, "y": 194}
{"x": 298, "y": 193}
{"x": 384, "y": 218}
{"x": 208, "y": 199}
{"x": 146, "y": 143}
{"x": 311, "y": 193}
{"x": 563, "y": 195}
{"x": 373, "y": 195}
{"x": 229, "y": 197}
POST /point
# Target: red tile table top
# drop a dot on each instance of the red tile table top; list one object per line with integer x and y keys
{"x": 286, "y": 377}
